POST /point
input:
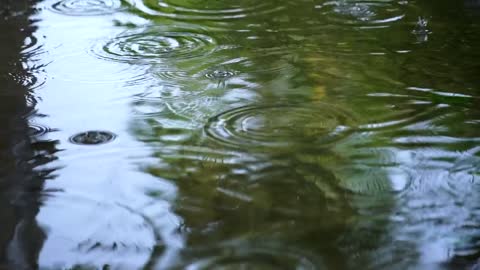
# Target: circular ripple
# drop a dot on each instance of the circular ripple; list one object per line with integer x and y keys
{"x": 93, "y": 137}
{"x": 86, "y": 7}
{"x": 219, "y": 74}
{"x": 260, "y": 256}
{"x": 207, "y": 10}
{"x": 151, "y": 46}
{"x": 280, "y": 125}
{"x": 35, "y": 130}
{"x": 221, "y": 67}
{"x": 464, "y": 176}
{"x": 126, "y": 234}
{"x": 196, "y": 78}
{"x": 362, "y": 13}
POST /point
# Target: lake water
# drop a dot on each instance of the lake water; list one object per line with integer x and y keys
{"x": 207, "y": 134}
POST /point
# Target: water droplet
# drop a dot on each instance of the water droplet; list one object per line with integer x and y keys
{"x": 421, "y": 31}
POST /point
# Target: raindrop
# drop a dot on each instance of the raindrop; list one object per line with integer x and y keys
{"x": 220, "y": 74}
{"x": 362, "y": 13}
{"x": 421, "y": 31}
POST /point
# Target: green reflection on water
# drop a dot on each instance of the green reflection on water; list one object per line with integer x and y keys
{"x": 348, "y": 117}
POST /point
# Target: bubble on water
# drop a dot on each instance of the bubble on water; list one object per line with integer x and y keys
{"x": 93, "y": 137}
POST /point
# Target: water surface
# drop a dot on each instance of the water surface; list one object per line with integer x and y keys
{"x": 185, "y": 134}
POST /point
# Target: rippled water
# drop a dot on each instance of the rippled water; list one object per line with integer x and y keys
{"x": 279, "y": 125}
{"x": 188, "y": 134}
{"x": 86, "y": 8}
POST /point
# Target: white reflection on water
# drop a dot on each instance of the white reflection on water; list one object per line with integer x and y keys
{"x": 102, "y": 212}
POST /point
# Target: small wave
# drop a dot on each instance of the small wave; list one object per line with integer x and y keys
{"x": 279, "y": 125}
{"x": 86, "y": 7}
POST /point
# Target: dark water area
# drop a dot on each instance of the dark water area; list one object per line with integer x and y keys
{"x": 188, "y": 134}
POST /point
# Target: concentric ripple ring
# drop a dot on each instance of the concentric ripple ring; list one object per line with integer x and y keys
{"x": 86, "y": 7}
{"x": 35, "y": 130}
{"x": 260, "y": 256}
{"x": 362, "y": 13}
{"x": 154, "y": 46}
{"x": 207, "y": 10}
{"x": 280, "y": 125}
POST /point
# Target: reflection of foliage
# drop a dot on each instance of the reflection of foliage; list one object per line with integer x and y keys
{"x": 304, "y": 190}
{"x": 228, "y": 193}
